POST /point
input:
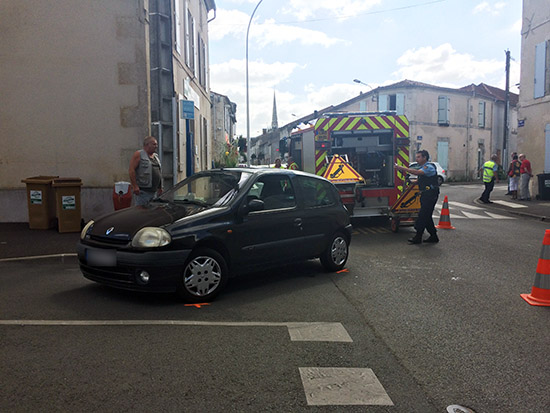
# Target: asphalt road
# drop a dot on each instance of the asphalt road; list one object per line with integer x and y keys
{"x": 428, "y": 326}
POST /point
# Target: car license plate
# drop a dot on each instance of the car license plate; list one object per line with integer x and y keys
{"x": 101, "y": 258}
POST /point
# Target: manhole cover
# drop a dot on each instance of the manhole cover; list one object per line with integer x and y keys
{"x": 455, "y": 408}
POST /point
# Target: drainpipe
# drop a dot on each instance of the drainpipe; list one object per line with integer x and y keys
{"x": 468, "y": 138}
{"x": 208, "y": 21}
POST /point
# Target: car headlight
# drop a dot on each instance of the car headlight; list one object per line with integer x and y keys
{"x": 151, "y": 237}
{"x": 86, "y": 229}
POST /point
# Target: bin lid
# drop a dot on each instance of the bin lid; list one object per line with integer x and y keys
{"x": 122, "y": 186}
{"x": 41, "y": 179}
{"x": 67, "y": 182}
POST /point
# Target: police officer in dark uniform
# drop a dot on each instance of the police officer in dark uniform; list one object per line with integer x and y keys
{"x": 429, "y": 192}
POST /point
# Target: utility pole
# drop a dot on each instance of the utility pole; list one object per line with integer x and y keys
{"x": 504, "y": 159}
{"x": 247, "y": 101}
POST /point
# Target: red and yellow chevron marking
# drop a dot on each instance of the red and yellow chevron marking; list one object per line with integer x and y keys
{"x": 403, "y": 160}
{"x": 320, "y": 162}
{"x": 399, "y": 124}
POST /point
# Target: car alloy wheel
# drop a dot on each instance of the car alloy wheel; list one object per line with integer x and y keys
{"x": 204, "y": 276}
{"x": 336, "y": 255}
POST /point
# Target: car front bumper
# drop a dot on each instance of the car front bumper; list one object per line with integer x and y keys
{"x": 121, "y": 269}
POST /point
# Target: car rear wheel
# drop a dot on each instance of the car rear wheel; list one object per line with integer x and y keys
{"x": 335, "y": 256}
{"x": 204, "y": 276}
{"x": 440, "y": 180}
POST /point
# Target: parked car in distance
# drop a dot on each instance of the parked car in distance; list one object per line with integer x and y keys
{"x": 214, "y": 225}
{"x": 441, "y": 173}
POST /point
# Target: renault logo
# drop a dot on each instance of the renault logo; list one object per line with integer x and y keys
{"x": 109, "y": 230}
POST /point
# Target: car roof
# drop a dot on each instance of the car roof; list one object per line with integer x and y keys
{"x": 268, "y": 171}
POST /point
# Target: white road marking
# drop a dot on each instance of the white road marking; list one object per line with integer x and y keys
{"x": 460, "y": 205}
{"x": 318, "y": 332}
{"x": 314, "y": 331}
{"x": 474, "y": 216}
{"x": 509, "y": 204}
{"x": 497, "y": 216}
{"x": 38, "y": 257}
{"x": 333, "y": 386}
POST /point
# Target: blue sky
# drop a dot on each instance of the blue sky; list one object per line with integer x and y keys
{"x": 309, "y": 51}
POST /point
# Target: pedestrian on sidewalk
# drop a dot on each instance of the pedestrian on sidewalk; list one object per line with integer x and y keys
{"x": 145, "y": 172}
{"x": 514, "y": 175}
{"x": 510, "y": 178}
{"x": 526, "y": 174}
{"x": 428, "y": 186}
{"x": 490, "y": 175}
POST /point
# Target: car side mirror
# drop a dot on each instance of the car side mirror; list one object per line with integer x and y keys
{"x": 255, "y": 205}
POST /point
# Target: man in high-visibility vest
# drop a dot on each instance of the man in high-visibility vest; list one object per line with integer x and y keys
{"x": 490, "y": 175}
{"x": 291, "y": 164}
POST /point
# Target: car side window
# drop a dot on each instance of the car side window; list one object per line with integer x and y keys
{"x": 275, "y": 191}
{"x": 315, "y": 192}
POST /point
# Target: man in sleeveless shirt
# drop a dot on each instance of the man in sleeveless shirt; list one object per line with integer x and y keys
{"x": 145, "y": 172}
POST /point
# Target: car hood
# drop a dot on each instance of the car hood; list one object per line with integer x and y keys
{"x": 123, "y": 224}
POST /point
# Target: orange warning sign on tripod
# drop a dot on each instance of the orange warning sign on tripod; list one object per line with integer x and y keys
{"x": 409, "y": 202}
{"x": 540, "y": 292}
{"x": 341, "y": 172}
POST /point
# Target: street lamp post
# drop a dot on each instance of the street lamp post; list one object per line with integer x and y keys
{"x": 247, "y": 100}
{"x": 358, "y": 81}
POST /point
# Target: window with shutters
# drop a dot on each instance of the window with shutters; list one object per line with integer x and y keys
{"x": 190, "y": 42}
{"x": 201, "y": 61}
{"x": 542, "y": 69}
{"x": 177, "y": 14}
{"x": 394, "y": 102}
{"x": 481, "y": 115}
{"x": 443, "y": 110}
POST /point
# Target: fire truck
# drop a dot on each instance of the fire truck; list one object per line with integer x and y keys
{"x": 358, "y": 153}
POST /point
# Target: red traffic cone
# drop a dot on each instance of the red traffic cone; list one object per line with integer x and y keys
{"x": 540, "y": 293}
{"x": 445, "y": 217}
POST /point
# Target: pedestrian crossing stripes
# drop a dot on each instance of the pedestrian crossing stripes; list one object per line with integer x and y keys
{"x": 509, "y": 204}
{"x": 458, "y": 211}
{"x": 465, "y": 211}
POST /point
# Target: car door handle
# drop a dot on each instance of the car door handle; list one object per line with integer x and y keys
{"x": 298, "y": 222}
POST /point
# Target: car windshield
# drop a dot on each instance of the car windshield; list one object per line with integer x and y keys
{"x": 207, "y": 189}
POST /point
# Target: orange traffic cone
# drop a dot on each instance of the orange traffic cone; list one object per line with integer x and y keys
{"x": 445, "y": 217}
{"x": 540, "y": 293}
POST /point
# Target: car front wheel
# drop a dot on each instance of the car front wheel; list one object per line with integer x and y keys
{"x": 335, "y": 256}
{"x": 204, "y": 276}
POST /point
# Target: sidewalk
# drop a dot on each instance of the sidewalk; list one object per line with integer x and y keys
{"x": 17, "y": 240}
{"x": 536, "y": 209}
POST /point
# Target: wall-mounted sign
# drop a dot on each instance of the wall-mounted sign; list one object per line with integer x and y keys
{"x": 521, "y": 123}
{"x": 190, "y": 93}
{"x": 187, "y": 109}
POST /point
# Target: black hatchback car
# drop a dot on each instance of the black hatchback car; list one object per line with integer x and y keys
{"x": 216, "y": 224}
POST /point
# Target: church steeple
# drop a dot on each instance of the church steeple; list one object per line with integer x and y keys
{"x": 274, "y": 122}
